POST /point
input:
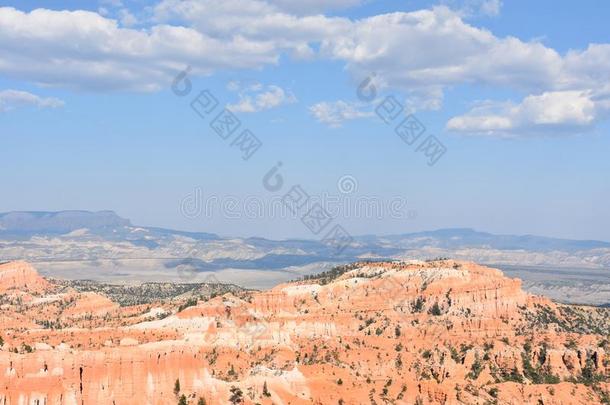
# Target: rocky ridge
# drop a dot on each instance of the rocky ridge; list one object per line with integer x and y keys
{"x": 408, "y": 332}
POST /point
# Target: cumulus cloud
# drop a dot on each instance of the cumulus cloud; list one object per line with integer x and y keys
{"x": 420, "y": 53}
{"x": 118, "y": 9}
{"x": 127, "y": 18}
{"x": 334, "y": 114}
{"x": 12, "y": 99}
{"x": 83, "y": 50}
{"x": 256, "y": 97}
{"x": 546, "y": 113}
{"x": 427, "y": 51}
{"x": 265, "y": 24}
{"x": 431, "y": 49}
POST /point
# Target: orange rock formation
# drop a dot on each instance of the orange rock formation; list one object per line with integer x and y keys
{"x": 439, "y": 332}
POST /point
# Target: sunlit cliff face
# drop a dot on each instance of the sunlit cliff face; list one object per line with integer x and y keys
{"x": 440, "y": 332}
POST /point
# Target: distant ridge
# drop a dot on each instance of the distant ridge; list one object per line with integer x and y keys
{"x": 84, "y": 243}
{"x": 25, "y": 224}
{"x": 452, "y": 238}
{"x": 59, "y": 222}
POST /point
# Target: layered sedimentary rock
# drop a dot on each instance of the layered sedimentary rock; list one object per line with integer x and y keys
{"x": 21, "y": 276}
{"x": 440, "y": 332}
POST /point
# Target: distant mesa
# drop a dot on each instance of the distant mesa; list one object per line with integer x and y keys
{"x": 107, "y": 224}
{"x": 60, "y": 222}
{"x": 25, "y": 224}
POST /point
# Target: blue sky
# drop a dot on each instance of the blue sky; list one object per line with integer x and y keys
{"x": 517, "y": 92}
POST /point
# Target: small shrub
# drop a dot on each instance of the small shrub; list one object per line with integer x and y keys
{"x": 419, "y": 304}
{"x": 435, "y": 310}
{"x": 476, "y": 369}
{"x": 236, "y": 395}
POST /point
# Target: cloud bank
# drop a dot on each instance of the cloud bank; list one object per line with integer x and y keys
{"x": 420, "y": 54}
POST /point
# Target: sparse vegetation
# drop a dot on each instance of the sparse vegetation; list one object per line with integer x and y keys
{"x": 177, "y": 387}
{"x": 435, "y": 310}
{"x": 419, "y": 304}
{"x": 455, "y": 355}
{"x": 150, "y": 292}
{"x": 539, "y": 374}
{"x": 334, "y": 273}
{"x": 236, "y": 395}
{"x": 385, "y": 336}
{"x": 476, "y": 368}
{"x": 191, "y": 302}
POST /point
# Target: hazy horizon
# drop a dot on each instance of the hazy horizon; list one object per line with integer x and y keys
{"x": 509, "y": 134}
{"x": 247, "y": 236}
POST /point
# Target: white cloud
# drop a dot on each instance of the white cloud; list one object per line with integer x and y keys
{"x": 256, "y": 97}
{"x": 334, "y": 114}
{"x": 475, "y": 8}
{"x": 428, "y": 49}
{"x": 127, "y": 18}
{"x": 81, "y": 49}
{"x": 12, "y": 99}
{"x": 490, "y": 7}
{"x": 85, "y": 50}
{"x": 116, "y": 8}
{"x": 264, "y": 24}
{"x": 421, "y": 53}
{"x": 546, "y": 113}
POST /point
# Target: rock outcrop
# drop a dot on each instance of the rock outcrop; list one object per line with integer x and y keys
{"x": 439, "y": 332}
{"x": 21, "y": 276}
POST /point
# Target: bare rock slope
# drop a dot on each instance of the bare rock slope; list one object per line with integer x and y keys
{"x": 438, "y": 332}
